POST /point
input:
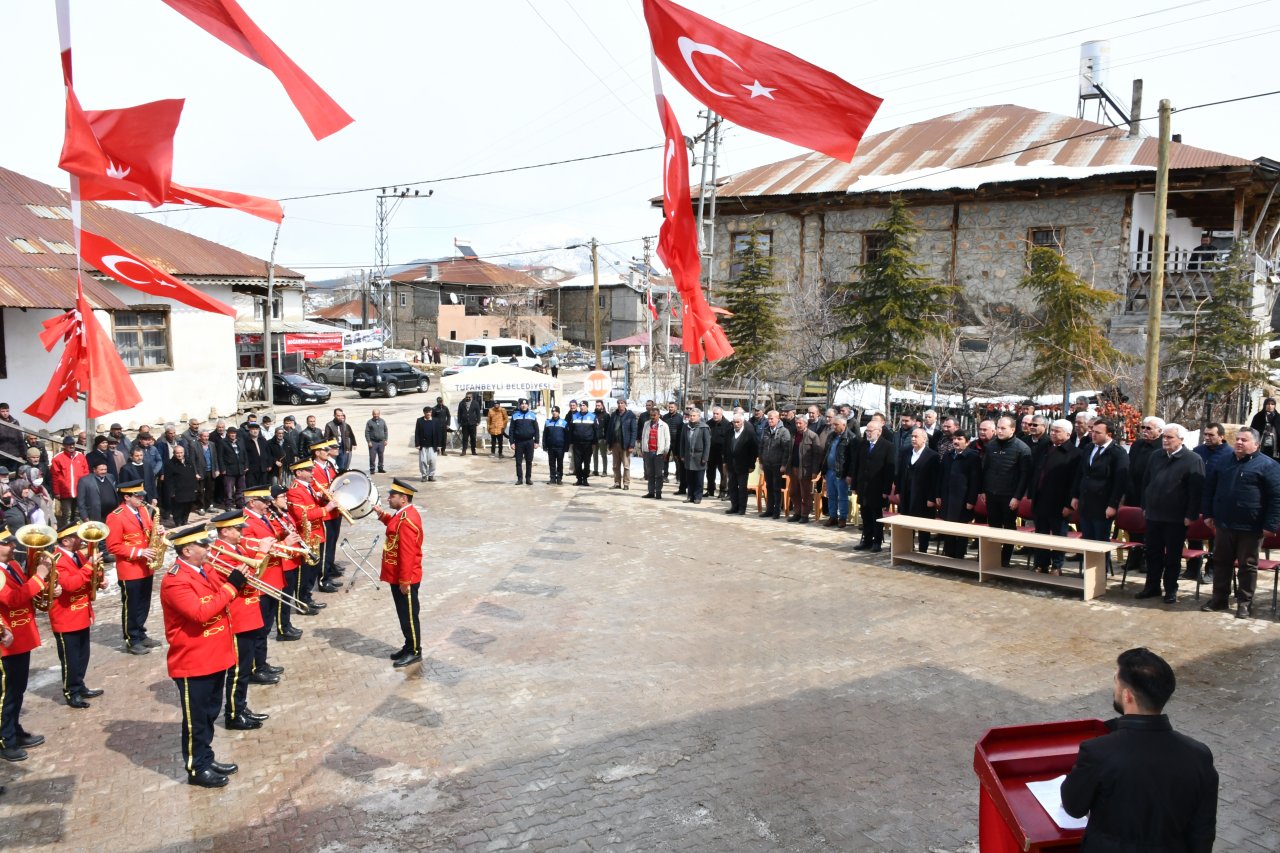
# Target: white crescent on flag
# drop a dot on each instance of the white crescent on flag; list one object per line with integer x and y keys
{"x": 113, "y": 262}
{"x": 688, "y": 47}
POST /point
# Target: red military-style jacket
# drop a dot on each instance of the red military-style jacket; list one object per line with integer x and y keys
{"x": 257, "y": 527}
{"x": 17, "y": 611}
{"x": 246, "y": 612}
{"x": 197, "y": 621}
{"x": 323, "y": 474}
{"x": 402, "y": 549}
{"x": 71, "y": 611}
{"x": 129, "y": 536}
{"x": 302, "y": 504}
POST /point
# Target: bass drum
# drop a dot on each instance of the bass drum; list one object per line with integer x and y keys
{"x": 355, "y": 492}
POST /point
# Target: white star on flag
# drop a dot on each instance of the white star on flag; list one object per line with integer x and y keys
{"x": 757, "y": 90}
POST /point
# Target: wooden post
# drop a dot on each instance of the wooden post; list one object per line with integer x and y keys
{"x": 1155, "y": 296}
{"x": 595, "y": 298}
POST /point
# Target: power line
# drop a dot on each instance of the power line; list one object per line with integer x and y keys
{"x": 478, "y": 257}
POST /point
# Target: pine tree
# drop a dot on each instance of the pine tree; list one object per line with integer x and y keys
{"x": 1067, "y": 340}
{"x": 752, "y": 297}
{"x": 1217, "y": 350}
{"x": 890, "y": 310}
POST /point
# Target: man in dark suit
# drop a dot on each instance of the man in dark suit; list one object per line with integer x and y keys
{"x": 959, "y": 481}
{"x": 873, "y": 469}
{"x": 1171, "y": 492}
{"x": 740, "y": 458}
{"x": 96, "y": 494}
{"x": 1143, "y": 785}
{"x": 917, "y": 481}
{"x": 1051, "y": 483}
{"x": 1100, "y": 484}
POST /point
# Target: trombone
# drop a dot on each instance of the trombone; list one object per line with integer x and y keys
{"x": 219, "y": 552}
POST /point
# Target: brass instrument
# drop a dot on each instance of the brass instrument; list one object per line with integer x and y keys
{"x": 309, "y": 551}
{"x": 219, "y": 552}
{"x": 93, "y": 533}
{"x": 328, "y": 495}
{"x": 157, "y": 542}
{"x": 39, "y": 540}
{"x": 312, "y": 541}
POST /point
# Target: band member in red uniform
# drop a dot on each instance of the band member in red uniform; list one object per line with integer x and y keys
{"x": 197, "y": 625}
{"x": 129, "y": 541}
{"x": 307, "y": 509}
{"x": 246, "y": 623}
{"x": 262, "y": 527}
{"x": 325, "y": 455}
{"x": 402, "y": 565}
{"x": 70, "y": 616}
{"x": 17, "y": 611}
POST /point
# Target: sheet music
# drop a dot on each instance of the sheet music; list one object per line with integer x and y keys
{"x": 1049, "y": 794}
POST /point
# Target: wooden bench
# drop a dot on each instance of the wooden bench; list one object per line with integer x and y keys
{"x": 1093, "y": 583}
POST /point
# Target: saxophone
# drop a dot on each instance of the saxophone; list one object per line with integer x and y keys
{"x": 157, "y": 542}
{"x": 312, "y": 543}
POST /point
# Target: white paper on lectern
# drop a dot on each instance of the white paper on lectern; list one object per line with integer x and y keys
{"x": 1049, "y": 794}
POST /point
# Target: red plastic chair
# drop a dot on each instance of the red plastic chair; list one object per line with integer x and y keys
{"x": 1131, "y": 522}
{"x": 980, "y": 510}
{"x": 1270, "y": 543}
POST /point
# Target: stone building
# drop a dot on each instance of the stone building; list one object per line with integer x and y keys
{"x": 985, "y": 184}
{"x": 623, "y": 306}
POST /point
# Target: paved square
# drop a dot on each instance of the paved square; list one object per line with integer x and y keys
{"x": 606, "y": 672}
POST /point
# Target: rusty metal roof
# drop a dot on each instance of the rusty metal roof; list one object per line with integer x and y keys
{"x": 38, "y": 262}
{"x": 471, "y": 271}
{"x": 968, "y": 148}
{"x": 345, "y": 310}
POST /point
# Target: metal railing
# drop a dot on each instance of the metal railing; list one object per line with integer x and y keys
{"x": 1188, "y": 279}
{"x": 251, "y": 385}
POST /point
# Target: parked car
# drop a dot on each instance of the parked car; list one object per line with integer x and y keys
{"x": 338, "y": 373}
{"x": 294, "y": 389}
{"x": 388, "y": 378}
{"x": 467, "y": 362}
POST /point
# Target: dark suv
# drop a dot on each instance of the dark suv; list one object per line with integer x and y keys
{"x": 388, "y": 378}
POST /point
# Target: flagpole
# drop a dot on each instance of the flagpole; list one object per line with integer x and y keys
{"x": 270, "y": 376}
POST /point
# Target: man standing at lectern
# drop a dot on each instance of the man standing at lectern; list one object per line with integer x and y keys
{"x": 1143, "y": 785}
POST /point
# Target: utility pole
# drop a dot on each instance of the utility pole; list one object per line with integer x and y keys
{"x": 381, "y": 255}
{"x": 595, "y": 297}
{"x": 1155, "y": 295}
{"x": 270, "y": 377}
{"x": 710, "y": 162}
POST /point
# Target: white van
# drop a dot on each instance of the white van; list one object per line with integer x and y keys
{"x": 505, "y": 349}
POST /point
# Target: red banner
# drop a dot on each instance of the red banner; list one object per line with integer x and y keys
{"x": 317, "y": 342}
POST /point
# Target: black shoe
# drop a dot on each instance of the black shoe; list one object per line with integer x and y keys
{"x": 1171, "y": 599}
{"x": 697, "y": 500}
{"x": 90, "y": 693}
{"x": 26, "y": 740}
{"x": 263, "y": 678}
{"x": 1210, "y": 607}
{"x": 877, "y": 548}
{"x": 77, "y": 702}
{"x": 657, "y": 497}
{"x": 1147, "y": 593}
{"x": 13, "y": 753}
{"x": 136, "y": 649}
{"x": 289, "y": 636}
{"x": 271, "y": 669}
{"x": 382, "y": 471}
{"x": 519, "y": 482}
{"x": 371, "y": 471}
{"x": 1244, "y": 611}
{"x": 650, "y": 495}
{"x": 404, "y": 650}
{"x": 150, "y": 643}
{"x": 406, "y": 660}
{"x": 730, "y": 511}
{"x": 680, "y": 491}
{"x": 254, "y": 715}
{"x": 804, "y": 519}
{"x": 327, "y": 586}
{"x": 314, "y": 605}
{"x": 528, "y": 482}
{"x": 226, "y": 769}
{"x": 207, "y": 779}
{"x": 243, "y": 724}
{"x": 793, "y": 518}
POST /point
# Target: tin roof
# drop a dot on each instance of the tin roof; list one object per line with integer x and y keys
{"x": 349, "y": 310}
{"x": 968, "y": 148}
{"x": 470, "y": 271}
{"x": 37, "y": 254}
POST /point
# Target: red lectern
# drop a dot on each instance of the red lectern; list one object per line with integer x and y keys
{"x": 1010, "y": 819}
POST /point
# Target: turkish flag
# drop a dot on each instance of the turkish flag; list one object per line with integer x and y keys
{"x": 128, "y": 269}
{"x": 758, "y": 86}
{"x": 96, "y": 189}
{"x": 227, "y": 22}
{"x": 678, "y": 236}
{"x": 130, "y": 149}
{"x": 90, "y": 362}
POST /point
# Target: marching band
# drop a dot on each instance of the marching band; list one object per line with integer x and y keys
{"x": 231, "y": 584}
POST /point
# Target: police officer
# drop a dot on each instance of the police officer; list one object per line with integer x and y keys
{"x": 524, "y": 437}
{"x": 583, "y": 432}
{"x": 555, "y": 438}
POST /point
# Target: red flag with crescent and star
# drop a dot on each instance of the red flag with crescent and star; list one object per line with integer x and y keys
{"x": 758, "y": 86}
{"x": 227, "y": 22}
{"x": 93, "y": 189}
{"x": 130, "y": 270}
{"x": 127, "y": 150}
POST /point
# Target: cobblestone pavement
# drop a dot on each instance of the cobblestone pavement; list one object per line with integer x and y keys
{"x": 606, "y": 672}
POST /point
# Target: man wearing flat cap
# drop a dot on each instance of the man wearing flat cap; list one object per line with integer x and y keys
{"x": 202, "y": 647}
{"x": 402, "y": 566}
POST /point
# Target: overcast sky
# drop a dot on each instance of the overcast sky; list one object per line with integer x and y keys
{"x": 446, "y": 89}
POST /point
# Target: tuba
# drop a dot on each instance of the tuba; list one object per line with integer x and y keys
{"x": 39, "y": 540}
{"x": 93, "y": 533}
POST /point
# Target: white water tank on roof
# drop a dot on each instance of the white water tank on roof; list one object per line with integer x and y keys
{"x": 1095, "y": 64}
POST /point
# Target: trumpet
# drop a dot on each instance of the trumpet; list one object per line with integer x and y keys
{"x": 328, "y": 495}
{"x": 217, "y": 555}
{"x": 306, "y": 550}
{"x": 39, "y": 540}
{"x": 220, "y": 551}
{"x": 93, "y": 533}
